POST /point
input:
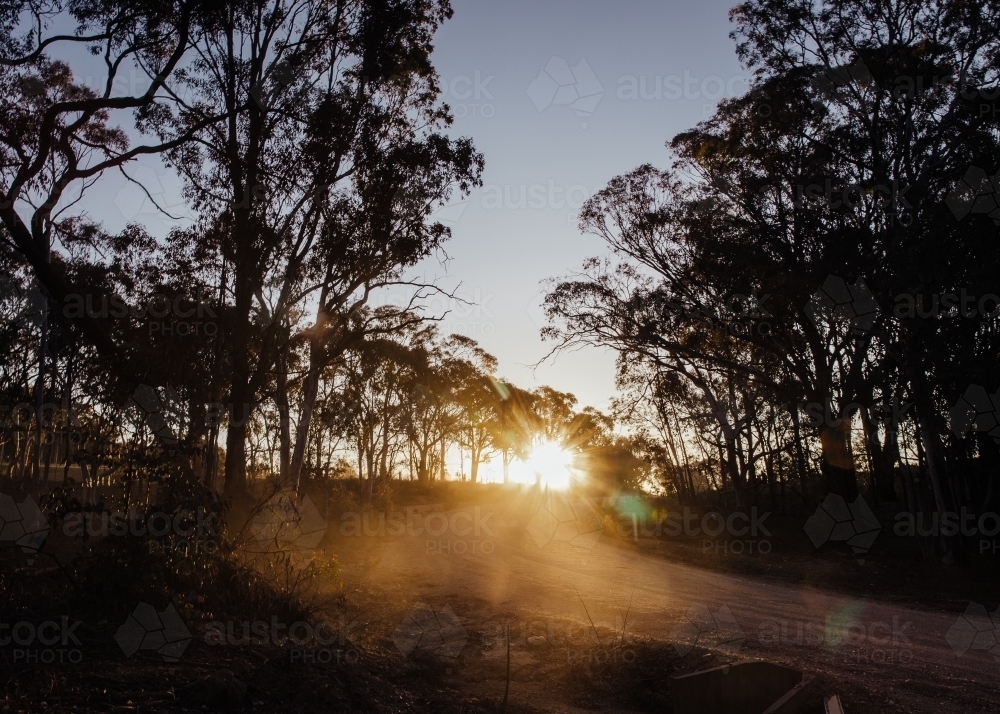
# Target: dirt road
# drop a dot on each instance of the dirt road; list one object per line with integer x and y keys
{"x": 880, "y": 657}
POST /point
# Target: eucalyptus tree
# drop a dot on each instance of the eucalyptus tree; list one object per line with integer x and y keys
{"x": 551, "y": 414}
{"x": 61, "y": 133}
{"x": 318, "y": 188}
{"x": 835, "y": 166}
{"x": 432, "y": 411}
{"x": 376, "y": 382}
{"x": 656, "y": 310}
{"x": 478, "y": 401}
{"x": 903, "y": 100}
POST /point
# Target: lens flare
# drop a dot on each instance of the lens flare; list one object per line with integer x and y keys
{"x": 550, "y": 462}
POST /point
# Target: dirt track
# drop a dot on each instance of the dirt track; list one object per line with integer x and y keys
{"x": 900, "y": 661}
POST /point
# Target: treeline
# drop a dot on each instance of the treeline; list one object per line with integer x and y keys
{"x": 311, "y": 145}
{"x": 406, "y": 405}
{"x": 247, "y": 345}
{"x": 807, "y": 297}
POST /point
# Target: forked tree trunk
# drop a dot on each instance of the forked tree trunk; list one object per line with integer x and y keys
{"x": 882, "y": 458}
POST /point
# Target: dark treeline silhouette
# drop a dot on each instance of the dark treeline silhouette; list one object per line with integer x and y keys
{"x": 247, "y": 346}
{"x": 309, "y": 139}
{"x": 807, "y": 295}
{"x": 801, "y": 305}
{"x": 245, "y": 440}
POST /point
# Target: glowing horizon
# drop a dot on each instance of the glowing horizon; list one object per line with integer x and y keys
{"x": 549, "y": 462}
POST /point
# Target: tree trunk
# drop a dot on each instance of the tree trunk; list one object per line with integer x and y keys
{"x": 734, "y": 472}
{"x": 35, "y": 485}
{"x": 988, "y": 447}
{"x": 838, "y": 462}
{"x": 310, "y": 389}
{"x": 882, "y": 458}
{"x": 422, "y": 466}
{"x": 361, "y": 460}
{"x": 679, "y": 480}
{"x": 769, "y": 471}
{"x": 932, "y": 452}
{"x": 800, "y": 459}
{"x": 284, "y": 425}
{"x": 474, "y": 456}
{"x": 239, "y": 395}
{"x": 236, "y": 466}
{"x": 935, "y": 469}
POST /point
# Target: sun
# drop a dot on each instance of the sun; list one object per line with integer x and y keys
{"x": 550, "y": 462}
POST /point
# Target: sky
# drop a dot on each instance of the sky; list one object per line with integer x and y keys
{"x": 560, "y": 97}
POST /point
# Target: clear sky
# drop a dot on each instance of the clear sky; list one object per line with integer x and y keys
{"x": 554, "y": 131}
{"x": 560, "y": 96}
